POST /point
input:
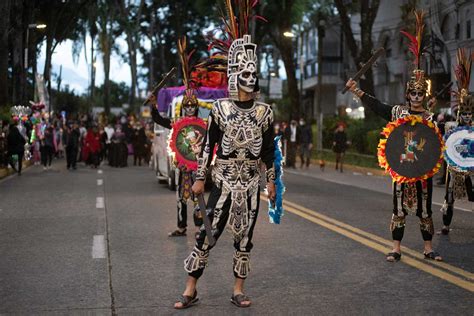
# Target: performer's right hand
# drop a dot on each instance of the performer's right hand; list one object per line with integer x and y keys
{"x": 198, "y": 187}
{"x": 351, "y": 85}
{"x": 152, "y": 99}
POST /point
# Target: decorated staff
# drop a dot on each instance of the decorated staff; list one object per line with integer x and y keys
{"x": 242, "y": 130}
{"x": 185, "y": 142}
{"x": 412, "y": 141}
{"x": 459, "y": 137}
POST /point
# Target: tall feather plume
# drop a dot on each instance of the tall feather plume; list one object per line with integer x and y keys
{"x": 462, "y": 70}
{"x": 233, "y": 27}
{"x": 185, "y": 59}
{"x": 416, "y": 44}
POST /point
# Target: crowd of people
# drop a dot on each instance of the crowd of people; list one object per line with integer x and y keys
{"x": 41, "y": 138}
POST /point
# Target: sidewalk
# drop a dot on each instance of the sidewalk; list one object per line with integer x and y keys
{"x": 370, "y": 179}
{"x": 5, "y": 172}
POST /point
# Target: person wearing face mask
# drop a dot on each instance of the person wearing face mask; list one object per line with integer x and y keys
{"x": 242, "y": 129}
{"x": 459, "y": 182}
{"x": 189, "y": 108}
{"x": 416, "y": 104}
{"x": 306, "y": 143}
{"x": 292, "y": 140}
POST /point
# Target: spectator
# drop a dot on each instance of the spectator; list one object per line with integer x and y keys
{"x": 48, "y": 146}
{"x": 71, "y": 141}
{"x": 138, "y": 142}
{"x": 16, "y": 146}
{"x": 340, "y": 145}
{"x": 109, "y": 130}
{"x": 292, "y": 141}
{"x": 306, "y": 143}
{"x": 92, "y": 147}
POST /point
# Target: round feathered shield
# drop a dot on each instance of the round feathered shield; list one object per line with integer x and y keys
{"x": 186, "y": 140}
{"x": 459, "y": 150}
{"x": 411, "y": 150}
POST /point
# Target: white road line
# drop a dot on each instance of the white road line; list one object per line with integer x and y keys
{"x": 99, "y": 171}
{"x": 99, "y": 202}
{"x": 98, "y": 247}
{"x": 100, "y": 182}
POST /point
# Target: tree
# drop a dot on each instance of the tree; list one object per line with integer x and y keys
{"x": 129, "y": 16}
{"x": 107, "y": 33}
{"x": 282, "y": 16}
{"x": 4, "y": 30}
{"x": 368, "y": 12}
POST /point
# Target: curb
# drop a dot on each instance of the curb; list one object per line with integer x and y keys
{"x": 5, "y": 172}
{"x": 363, "y": 170}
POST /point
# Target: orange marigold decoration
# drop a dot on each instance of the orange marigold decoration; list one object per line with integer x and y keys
{"x": 411, "y": 150}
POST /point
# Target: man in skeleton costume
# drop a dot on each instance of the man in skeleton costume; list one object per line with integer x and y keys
{"x": 459, "y": 182}
{"x": 242, "y": 128}
{"x": 408, "y": 197}
{"x": 189, "y": 108}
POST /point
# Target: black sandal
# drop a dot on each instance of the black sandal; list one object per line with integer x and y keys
{"x": 177, "y": 233}
{"x": 187, "y": 301}
{"x": 432, "y": 255}
{"x": 238, "y": 299}
{"x": 395, "y": 255}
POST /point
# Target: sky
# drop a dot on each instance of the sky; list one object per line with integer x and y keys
{"x": 77, "y": 75}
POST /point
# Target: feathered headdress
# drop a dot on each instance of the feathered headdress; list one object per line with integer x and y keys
{"x": 462, "y": 72}
{"x": 185, "y": 58}
{"x": 417, "y": 48}
{"x": 234, "y": 25}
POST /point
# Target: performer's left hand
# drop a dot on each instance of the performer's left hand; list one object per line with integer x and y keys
{"x": 432, "y": 103}
{"x": 271, "y": 192}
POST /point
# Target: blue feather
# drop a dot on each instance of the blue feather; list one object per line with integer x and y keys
{"x": 275, "y": 208}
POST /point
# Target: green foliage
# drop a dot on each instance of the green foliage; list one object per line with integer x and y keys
{"x": 5, "y": 113}
{"x": 67, "y": 100}
{"x": 119, "y": 93}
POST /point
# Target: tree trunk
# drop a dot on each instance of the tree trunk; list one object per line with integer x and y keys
{"x": 92, "y": 69}
{"x": 18, "y": 73}
{"x": 285, "y": 47}
{"x": 368, "y": 12}
{"x": 4, "y": 26}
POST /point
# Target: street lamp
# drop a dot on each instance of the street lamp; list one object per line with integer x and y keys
{"x": 31, "y": 26}
{"x": 289, "y": 34}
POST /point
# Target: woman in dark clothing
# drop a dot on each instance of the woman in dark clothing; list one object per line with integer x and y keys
{"x": 138, "y": 141}
{"x": 339, "y": 145}
{"x": 16, "y": 146}
{"x": 48, "y": 147}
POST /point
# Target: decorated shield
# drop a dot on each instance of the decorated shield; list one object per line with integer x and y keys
{"x": 411, "y": 150}
{"x": 459, "y": 150}
{"x": 186, "y": 140}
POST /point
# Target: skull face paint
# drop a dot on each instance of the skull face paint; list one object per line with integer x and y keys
{"x": 466, "y": 117}
{"x": 416, "y": 97}
{"x": 248, "y": 78}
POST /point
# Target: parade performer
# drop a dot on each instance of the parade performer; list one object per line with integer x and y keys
{"x": 189, "y": 109}
{"x": 242, "y": 130}
{"x": 412, "y": 197}
{"x": 458, "y": 178}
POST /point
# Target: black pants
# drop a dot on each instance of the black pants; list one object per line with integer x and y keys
{"x": 397, "y": 225}
{"x": 46, "y": 155}
{"x": 71, "y": 156}
{"x": 448, "y": 217}
{"x": 221, "y": 204}
{"x": 339, "y": 160}
{"x": 291, "y": 154}
{"x": 20, "y": 161}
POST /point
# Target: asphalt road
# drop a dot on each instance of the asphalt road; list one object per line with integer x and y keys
{"x": 95, "y": 242}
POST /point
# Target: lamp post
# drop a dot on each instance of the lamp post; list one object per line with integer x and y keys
{"x": 30, "y": 26}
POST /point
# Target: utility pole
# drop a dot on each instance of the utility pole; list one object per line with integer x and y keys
{"x": 319, "y": 112}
